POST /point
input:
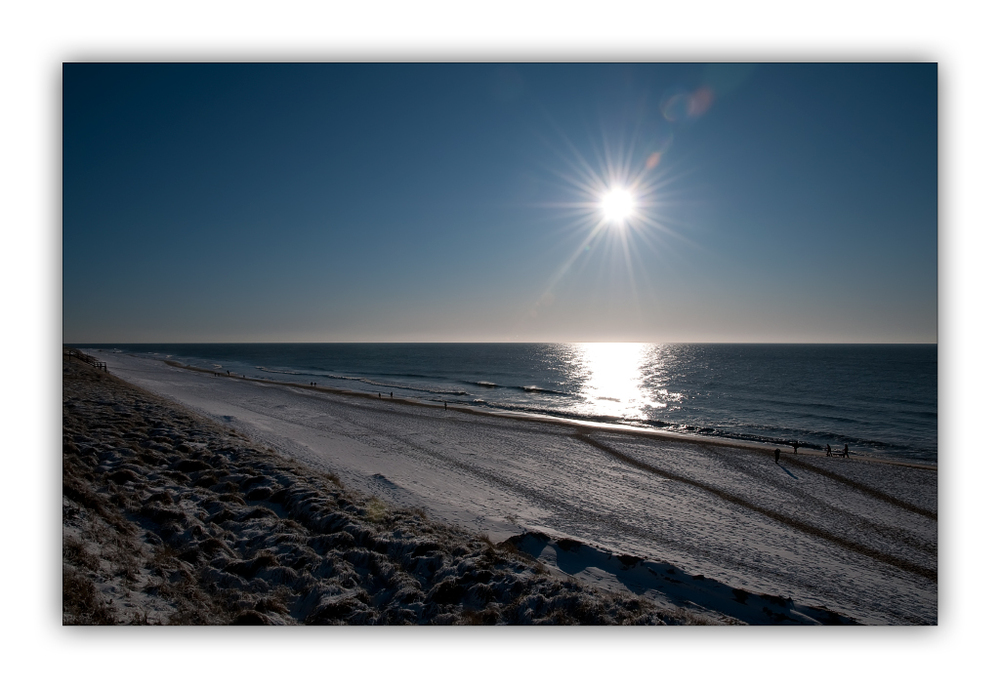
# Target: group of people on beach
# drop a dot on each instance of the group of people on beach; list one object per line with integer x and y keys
{"x": 846, "y": 453}
{"x": 795, "y": 450}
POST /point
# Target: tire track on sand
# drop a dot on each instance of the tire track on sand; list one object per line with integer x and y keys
{"x": 860, "y": 487}
{"x": 930, "y": 574}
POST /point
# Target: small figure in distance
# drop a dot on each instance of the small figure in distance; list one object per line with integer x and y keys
{"x": 380, "y": 395}
{"x": 829, "y": 452}
{"x": 446, "y": 406}
{"x": 847, "y": 454}
{"x": 390, "y": 395}
{"x": 777, "y": 454}
{"x": 795, "y": 446}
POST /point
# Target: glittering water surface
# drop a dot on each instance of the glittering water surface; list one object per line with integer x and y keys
{"x": 879, "y": 399}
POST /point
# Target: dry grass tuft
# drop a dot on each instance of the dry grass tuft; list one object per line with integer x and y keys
{"x": 81, "y": 603}
{"x": 376, "y": 510}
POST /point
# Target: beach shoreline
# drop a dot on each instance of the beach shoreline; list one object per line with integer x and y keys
{"x": 666, "y": 435}
{"x": 714, "y": 511}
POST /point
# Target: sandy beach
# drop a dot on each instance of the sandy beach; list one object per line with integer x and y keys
{"x": 169, "y": 518}
{"x": 692, "y": 532}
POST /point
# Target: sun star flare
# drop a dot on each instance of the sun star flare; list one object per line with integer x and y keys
{"x": 617, "y": 205}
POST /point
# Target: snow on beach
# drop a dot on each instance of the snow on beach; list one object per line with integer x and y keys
{"x": 714, "y": 528}
{"x": 169, "y": 518}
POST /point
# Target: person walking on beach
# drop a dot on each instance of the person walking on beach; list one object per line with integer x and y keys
{"x": 777, "y": 454}
{"x": 795, "y": 447}
{"x": 829, "y": 452}
{"x": 847, "y": 454}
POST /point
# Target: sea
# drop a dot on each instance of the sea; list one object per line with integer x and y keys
{"x": 879, "y": 399}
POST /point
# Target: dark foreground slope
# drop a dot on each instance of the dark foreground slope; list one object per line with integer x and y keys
{"x": 171, "y": 519}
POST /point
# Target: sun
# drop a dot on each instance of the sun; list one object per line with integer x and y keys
{"x": 617, "y": 205}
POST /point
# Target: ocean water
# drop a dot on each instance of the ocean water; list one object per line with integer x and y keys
{"x": 879, "y": 399}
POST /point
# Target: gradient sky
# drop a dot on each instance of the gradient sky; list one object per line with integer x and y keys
{"x": 459, "y": 202}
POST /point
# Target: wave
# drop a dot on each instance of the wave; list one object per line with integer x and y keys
{"x": 396, "y": 385}
{"x": 274, "y": 371}
{"x": 531, "y": 389}
{"x": 534, "y": 389}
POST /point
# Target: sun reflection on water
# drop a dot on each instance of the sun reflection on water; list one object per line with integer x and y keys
{"x": 614, "y": 378}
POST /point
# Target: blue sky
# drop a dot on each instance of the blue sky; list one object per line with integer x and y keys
{"x": 460, "y": 202}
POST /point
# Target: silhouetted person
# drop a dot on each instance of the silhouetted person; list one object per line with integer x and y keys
{"x": 847, "y": 454}
{"x": 795, "y": 447}
{"x": 380, "y": 395}
{"x": 390, "y": 395}
{"x": 829, "y": 452}
{"x": 777, "y": 454}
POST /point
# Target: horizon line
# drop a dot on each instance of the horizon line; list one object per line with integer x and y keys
{"x": 579, "y": 341}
